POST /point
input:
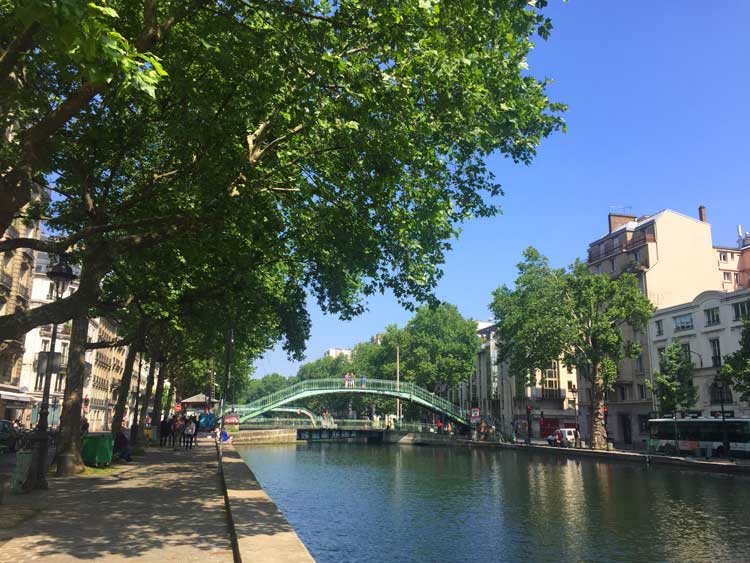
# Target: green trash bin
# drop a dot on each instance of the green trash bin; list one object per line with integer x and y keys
{"x": 96, "y": 449}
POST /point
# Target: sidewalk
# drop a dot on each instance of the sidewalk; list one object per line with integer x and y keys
{"x": 165, "y": 506}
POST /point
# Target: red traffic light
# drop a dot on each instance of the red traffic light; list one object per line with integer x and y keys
{"x": 606, "y": 410}
{"x": 528, "y": 408}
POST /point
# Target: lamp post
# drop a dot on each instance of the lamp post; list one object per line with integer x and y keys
{"x": 61, "y": 275}
{"x": 134, "y": 426}
{"x": 721, "y": 385}
{"x": 574, "y": 392}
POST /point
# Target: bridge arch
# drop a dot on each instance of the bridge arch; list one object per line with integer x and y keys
{"x": 388, "y": 388}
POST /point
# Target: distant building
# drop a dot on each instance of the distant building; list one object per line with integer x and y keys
{"x": 336, "y": 352}
{"x": 708, "y": 328}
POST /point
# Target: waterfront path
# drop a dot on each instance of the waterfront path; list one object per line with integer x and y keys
{"x": 165, "y": 506}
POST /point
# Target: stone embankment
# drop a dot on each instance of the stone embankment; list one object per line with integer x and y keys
{"x": 259, "y": 530}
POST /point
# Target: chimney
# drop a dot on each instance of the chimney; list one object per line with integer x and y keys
{"x": 617, "y": 220}
{"x": 702, "y": 213}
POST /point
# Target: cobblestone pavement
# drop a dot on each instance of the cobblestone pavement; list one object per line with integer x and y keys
{"x": 165, "y": 506}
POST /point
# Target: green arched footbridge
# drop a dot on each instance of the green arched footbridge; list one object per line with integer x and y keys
{"x": 383, "y": 387}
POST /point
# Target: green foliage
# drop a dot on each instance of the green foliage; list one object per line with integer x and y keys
{"x": 572, "y": 314}
{"x": 736, "y": 368}
{"x": 266, "y": 385}
{"x": 438, "y": 347}
{"x": 673, "y": 383}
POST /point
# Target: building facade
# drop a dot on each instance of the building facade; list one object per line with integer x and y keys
{"x": 708, "y": 328}
{"x": 503, "y": 399}
{"x": 674, "y": 259}
{"x": 16, "y": 277}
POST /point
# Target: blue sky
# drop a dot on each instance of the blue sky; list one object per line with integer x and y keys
{"x": 658, "y": 118}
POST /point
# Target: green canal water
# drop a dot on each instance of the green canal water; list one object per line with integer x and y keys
{"x": 379, "y": 503}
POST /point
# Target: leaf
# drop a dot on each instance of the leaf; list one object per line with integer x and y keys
{"x": 104, "y": 10}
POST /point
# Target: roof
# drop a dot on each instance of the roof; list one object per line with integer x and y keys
{"x": 200, "y": 398}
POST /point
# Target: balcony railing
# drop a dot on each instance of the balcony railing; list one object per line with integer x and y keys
{"x": 541, "y": 393}
{"x": 24, "y": 292}
{"x": 598, "y": 253}
{"x": 6, "y": 279}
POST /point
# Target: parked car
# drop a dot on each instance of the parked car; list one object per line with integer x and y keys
{"x": 564, "y": 437}
{"x": 8, "y": 435}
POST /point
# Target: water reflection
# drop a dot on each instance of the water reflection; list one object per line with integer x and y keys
{"x": 390, "y": 503}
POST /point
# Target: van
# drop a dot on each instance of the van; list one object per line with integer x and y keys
{"x": 564, "y": 437}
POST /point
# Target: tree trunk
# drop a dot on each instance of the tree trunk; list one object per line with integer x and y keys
{"x": 69, "y": 455}
{"x": 146, "y": 401}
{"x": 122, "y": 398}
{"x": 156, "y": 412}
{"x": 598, "y": 429}
{"x": 170, "y": 398}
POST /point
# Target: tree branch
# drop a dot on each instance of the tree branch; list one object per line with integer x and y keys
{"x": 109, "y": 344}
{"x": 20, "y": 44}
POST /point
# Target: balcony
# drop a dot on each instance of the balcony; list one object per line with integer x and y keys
{"x": 23, "y": 292}
{"x": 549, "y": 394}
{"x": 11, "y": 232}
{"x": 598, "y": 253}
{"x": 6, "y": 280}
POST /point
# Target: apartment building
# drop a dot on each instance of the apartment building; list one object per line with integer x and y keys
{"x": 503, "y": 399}
{"x": 708, "y": 328}
{"x": 674, "y": 258}
{"x": 336, "y": 352}
{"x": 16, "y": 276}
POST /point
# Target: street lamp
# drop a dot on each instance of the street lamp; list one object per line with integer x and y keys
{"x": 61, "y": 275}
{"x": 574, "y": 392}
{"x": 720, "y": 386}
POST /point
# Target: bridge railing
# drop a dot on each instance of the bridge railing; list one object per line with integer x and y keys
{"x": 382, "y": 385}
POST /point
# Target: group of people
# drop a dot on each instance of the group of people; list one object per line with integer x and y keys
{"x": 350, "y": 380}
{"x": 179, "y": 431}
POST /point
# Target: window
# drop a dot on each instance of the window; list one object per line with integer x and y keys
{"x": 686, "y": 350}
{"x": 598, "y": 268}
{"x": 723, "y": 256}
{"x": 39, "y": 383}
{"x": 45, "y": 345}
{"x": 727, "y": 276}
{"x": 51, "y": 292}
{"x": 622, "y": 392}
{"x": 720, "y": 394}
{"x": 551, "y": 382}
{"x": 661, "y": 352}
{"x": 712, "y": 316}
{"x": 683, "y": 322}
{"x": 715, "y": 352}
{"x": 611, "y": 264}
{"x": 639, "y": 364}
{"x": 59, "y": 382}
{"x": 641, "y": 391}
{"x": 659, "y": 328}
{"x": 64, "y": 352}
{"x": 741, "y": 310}
{"x": 637, "y": 256}
{"x": 736, "y": 278}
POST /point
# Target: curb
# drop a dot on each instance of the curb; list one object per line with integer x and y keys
{"x": 228, "y": 506}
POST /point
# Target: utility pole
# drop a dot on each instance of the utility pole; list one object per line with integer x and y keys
{"x": 398, "y": 383}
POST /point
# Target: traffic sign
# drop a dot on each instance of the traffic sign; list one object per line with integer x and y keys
{"x": 475, "y": 415}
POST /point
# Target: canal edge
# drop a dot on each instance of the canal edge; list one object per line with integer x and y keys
{"x": 258, "y": 529}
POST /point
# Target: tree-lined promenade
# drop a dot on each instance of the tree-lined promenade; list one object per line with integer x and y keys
{"x": 208, "y": 165}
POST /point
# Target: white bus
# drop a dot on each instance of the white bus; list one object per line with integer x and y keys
{"x": 700, "y": 434}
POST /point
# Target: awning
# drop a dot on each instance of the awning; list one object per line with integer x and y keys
{"x": 16, "y": 397}
{"x": 199, "y": 399}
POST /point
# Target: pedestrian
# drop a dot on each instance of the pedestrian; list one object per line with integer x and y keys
{"x": 189, "y": 433}
{"x": 440, "y": 425}
{"x": 172, "y": 420}
{"x": 164, "y": 431}
{"x": 577, "y": 437}
{"x": 363, "y": 380}
{"x": 122, "y": 447}
{"x": 179, "y": 429}
{"x": 198, "y": 426}
{"x": 346, "y": 380}
{"x": 84, "y": 426}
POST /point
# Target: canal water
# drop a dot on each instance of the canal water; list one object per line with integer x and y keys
{"x": 380, "y": 503}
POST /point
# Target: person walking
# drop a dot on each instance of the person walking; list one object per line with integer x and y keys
{"x": 164, "y": 431}
{"x": 189, "y": 433}
{"x": 363, "y": 381}
{"x": 179, "y": 430}
{"x": 346, "y": 380}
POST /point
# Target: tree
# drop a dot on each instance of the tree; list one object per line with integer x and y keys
{"x": 736, "y": 368}
{"x": 439, "y": 347}
{"x": 333, "y": 147}
{"x": 571, "y": 314}
{"x": 673, "y": 384}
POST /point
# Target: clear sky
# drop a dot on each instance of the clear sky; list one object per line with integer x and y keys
{"x": 659, "y": 117}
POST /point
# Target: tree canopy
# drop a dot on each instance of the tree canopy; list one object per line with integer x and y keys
{"x": 573, "y": 314}
{"x": 736, "y": 368}
{"x": 673, "y": 383}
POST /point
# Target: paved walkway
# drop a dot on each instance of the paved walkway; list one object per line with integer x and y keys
{"x": 165, "y": 506}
